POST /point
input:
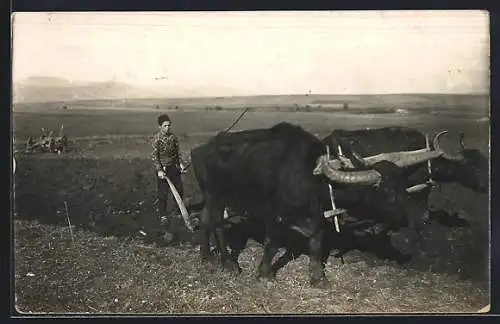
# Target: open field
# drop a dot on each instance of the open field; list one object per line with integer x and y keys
{"x": 360, "y": 104}
{"x": 107, "y": 182}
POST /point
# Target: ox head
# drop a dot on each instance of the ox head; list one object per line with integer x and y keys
{"x": 469, "y": 167}
{"x": 331, "y": 168}
{"x": 383, "y": 190}
{"x": 390, "y": 201}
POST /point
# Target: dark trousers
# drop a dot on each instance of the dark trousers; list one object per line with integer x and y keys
{"x": 163, "y": 189}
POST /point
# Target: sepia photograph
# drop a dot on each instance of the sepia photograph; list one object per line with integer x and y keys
{"x": 251, "y": 163}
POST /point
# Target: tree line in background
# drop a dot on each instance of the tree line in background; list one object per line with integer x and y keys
{"x": 293, "y": 108}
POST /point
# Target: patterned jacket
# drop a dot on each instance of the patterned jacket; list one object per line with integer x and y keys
{"x": 165, "y": 151}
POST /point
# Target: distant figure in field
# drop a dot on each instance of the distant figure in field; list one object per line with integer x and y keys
{"x": 166, "y": 162}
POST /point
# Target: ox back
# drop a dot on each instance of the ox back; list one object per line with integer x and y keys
{"x": 260, "y": 170}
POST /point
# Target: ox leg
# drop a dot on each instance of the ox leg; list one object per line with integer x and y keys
{"x": 237, "y": 245}
{"x": 265, "y": 267}
{"x": 418, "y": 223}
{"x": 270, "y": 249}
{"x": 316, "y": 266}
{"x": 235, "y": 254}
{"x": 227, "y": 260}
{"x": 205, "y": 231}
{"x": 288, "y": 256}
{"x": 212, "y": 223}
{"x": 282, "y": 261}
{"x": 325, "y": 255}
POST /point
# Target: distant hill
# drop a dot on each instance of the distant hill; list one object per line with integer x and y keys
{"x": 46, "y": 89}
{"x": 53, "y": 89}
{"x": 46, "y": 82}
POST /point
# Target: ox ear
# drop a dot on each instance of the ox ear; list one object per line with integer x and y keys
{"x": 388, "y": 170}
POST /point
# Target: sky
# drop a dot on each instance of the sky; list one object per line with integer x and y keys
{"x": 322, "y": 52}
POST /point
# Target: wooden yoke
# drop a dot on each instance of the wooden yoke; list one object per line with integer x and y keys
{"x": 334, "y": 211}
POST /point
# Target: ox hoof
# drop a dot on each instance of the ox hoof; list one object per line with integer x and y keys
{"x": 167, "y": 237}
{"x": 321, "y": 283}
{"x": 404, "y": 259}
{"x": 232, "y": 267}
{"x": 269, "y": 279}
{"x": 266, "y": 275}
{"x": 210, "y": 259}
{"x": 266, "y": 281}
{"x": 339, "y": 254}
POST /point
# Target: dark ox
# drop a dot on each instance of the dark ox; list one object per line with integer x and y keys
{"x": 469, "y": 168}
{"x": 268, "y": 174}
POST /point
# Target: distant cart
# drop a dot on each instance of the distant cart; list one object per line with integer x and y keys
{"x": 48, "y": 142}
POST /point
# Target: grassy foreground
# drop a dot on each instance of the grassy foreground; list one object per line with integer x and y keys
{"x": 96, "y": 274}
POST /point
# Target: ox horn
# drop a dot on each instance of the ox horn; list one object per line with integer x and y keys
{"x": 330, "y": 168}
{"x": 447, "y": 156}
{"x": 366, "y": 177}
{"x": 406, "y": 159}
{"x": 401, "y": 159}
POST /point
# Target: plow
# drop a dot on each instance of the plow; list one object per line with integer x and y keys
{"x": 48, "y": 143}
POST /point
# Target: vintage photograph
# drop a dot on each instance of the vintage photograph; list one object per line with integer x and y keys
{"x": 267, "y": 162}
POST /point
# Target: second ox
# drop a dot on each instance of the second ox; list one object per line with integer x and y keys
{"x": 469, "y": 168}
{"x": 363, "y": 148}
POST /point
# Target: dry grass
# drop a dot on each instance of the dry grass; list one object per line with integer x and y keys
{"x": 109, "y": 275}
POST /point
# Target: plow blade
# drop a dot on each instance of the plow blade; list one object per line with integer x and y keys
{"x": 182, "y": 207}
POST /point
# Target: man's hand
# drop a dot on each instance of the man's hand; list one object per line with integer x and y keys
{"x": 162, "y": 174}
{"x": 183, "y": 168}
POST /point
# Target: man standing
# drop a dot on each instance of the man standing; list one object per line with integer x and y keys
{"x": 166, "y": 162}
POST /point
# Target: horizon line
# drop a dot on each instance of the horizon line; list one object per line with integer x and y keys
{"x": 242, "y": 96}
